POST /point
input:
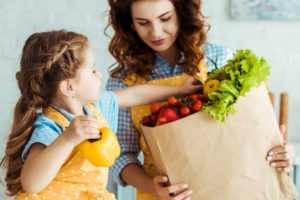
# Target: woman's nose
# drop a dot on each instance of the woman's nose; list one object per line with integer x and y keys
{"x": 156, "y": 30}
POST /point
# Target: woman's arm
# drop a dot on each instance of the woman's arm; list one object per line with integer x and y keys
{"x": 147, "y": 93}
{"x": 135, "y": 176}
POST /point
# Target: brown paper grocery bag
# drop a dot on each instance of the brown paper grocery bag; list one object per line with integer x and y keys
{"x": 223, "y": 161}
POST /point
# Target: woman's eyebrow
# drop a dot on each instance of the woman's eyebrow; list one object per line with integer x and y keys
{"x": 138, "y": 18}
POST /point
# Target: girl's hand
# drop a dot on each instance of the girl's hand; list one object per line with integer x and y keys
{"x": 188, "y": 87}
{"x": 81, "y": 128}
{"x": 281, "y": 157}
{"x": 166, "y": 192}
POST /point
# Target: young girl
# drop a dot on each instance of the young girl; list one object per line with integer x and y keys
{"x": 58, "y": 82}
{"x": 165, "y": 41}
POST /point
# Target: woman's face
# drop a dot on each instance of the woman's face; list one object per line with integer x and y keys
{"x": 156, "y": 23}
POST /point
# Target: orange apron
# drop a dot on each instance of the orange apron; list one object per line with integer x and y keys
{"x": 138, "y": 112}
{"x": 77, "y": 178}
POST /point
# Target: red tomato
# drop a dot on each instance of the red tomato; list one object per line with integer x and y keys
{"x": 172, "y": 101}
{"x": 153, "y": 118}
{"x": 202, "y": 97}
{"x": 180, "y": 104}
{"x": 197, "y": 106}
{"x": 185, "y": 111}
{"x": 155, "y": 108}
{"x": 161, "y": 121}
{"x": 194, "y": 97}
{"x": 146, "y": 121}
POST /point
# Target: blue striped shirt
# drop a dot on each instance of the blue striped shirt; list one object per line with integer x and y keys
{"x": 127, "y": 134}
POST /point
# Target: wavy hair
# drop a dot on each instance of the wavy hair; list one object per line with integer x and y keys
{"x": 47, "y": 59}
{"x": 134, "y": 56}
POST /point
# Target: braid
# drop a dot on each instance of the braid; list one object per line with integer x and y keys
{"x": 47, "y": 59}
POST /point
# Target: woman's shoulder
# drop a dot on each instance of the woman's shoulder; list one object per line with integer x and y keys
{"x": 117, "y": 83}
{"x": 218, "y": 54}
{"x": 211, "y": 49}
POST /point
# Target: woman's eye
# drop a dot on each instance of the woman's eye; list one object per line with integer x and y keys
{"x": 143, "y": 23}
{"x": 165, "y": 19}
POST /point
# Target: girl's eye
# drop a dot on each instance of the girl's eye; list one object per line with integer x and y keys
{"x": 165, "y": 19}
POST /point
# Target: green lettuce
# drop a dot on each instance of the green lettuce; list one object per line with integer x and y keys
{"x": 237, "y": 77}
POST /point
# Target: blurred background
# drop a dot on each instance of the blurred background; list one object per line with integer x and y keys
{"x": 277, "y": 39}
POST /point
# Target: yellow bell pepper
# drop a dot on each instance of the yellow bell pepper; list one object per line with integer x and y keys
{"x": 101, "y": 152}
{"x": 210, "y": 86}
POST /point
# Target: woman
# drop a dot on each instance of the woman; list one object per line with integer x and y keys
{"x": 160, "y": 42}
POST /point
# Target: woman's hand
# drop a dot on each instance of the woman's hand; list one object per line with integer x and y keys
{"x": 81, "y": 128}
{"x": 188, "y": 87}
{"x": 281, "y": 157}
{"x": 167, "y": 192}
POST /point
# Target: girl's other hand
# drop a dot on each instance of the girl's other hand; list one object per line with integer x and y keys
{"x": 281, "y": 157}
{"x": 81, "y": 128}
{"x": 167, "y": 192}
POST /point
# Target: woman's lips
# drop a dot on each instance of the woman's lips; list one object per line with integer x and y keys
{"x": 158, "y": 42}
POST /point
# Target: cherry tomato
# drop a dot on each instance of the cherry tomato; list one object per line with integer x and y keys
{"x": 155, "y": 108}
{"x": 153, "y": 118}
{"x": 194, "y": 97}
{"x": 172, "y": 101}
{"x": 180, "y": 104}
{"x": 161, "y": 121}
{"x": 185, "y": 111}
{"x": 197, "y": 106}
{"x": 202, "y": 97}
{"x": 146, "y": 121}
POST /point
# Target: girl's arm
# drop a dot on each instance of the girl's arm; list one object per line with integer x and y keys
{"x": 147, "y": 93}
{"x": 43, "y": 163}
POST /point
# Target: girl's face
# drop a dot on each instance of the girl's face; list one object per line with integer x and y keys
{"x": 87, "y": 83}
{"x": 156, "y": 23}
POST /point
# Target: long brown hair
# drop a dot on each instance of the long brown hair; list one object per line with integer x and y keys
{"x": 47, "y": 59}
{"x": 134, "y": 56}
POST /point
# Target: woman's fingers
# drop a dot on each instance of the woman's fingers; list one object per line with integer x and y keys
{"x": 281, "y": 157}
{"x": 173, "y": 189}
{"x": 172, "y": 192}
{"x": 281, "y": 149}
{"x": 183, "y": 195}
{"x": 284, "y": 166}
{"x": 160, "y": 179}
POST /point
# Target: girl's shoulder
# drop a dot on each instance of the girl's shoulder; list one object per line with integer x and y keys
{"x": 44, "y": 131}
